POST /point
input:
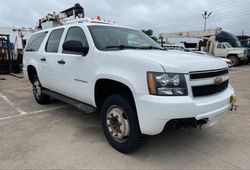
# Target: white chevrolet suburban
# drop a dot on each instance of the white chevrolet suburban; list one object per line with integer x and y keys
{"x": 139, "y": 88}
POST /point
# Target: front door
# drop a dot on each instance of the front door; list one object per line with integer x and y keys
{"x": 220, "y": 50}
{"x": 76, "y": 72}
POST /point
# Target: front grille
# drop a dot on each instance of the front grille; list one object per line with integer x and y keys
{"x": 207, "y": 74}
{"x": 209, "y": 89}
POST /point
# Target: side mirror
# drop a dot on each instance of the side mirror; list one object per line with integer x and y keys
{"x": 75, "y": 46}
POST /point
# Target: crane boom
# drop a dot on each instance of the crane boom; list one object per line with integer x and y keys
{"x": 192, "y": 34}
{"x": 61, "y": 18}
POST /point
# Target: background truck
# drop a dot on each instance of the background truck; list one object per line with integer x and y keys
{"x": 12, "y": 43}
{"x": 216, "y": 42}
{"x": 245, "y": 42}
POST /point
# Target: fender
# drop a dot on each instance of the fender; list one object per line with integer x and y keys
{"x": 110, "y": 77}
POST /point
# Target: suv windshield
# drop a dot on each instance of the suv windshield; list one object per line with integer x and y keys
{"x": 117, "y": 38}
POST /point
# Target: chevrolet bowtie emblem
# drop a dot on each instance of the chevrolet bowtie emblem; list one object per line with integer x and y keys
{"x": 218, "y": 80}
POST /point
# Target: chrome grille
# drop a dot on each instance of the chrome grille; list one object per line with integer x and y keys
{"x": 201, "y": 89}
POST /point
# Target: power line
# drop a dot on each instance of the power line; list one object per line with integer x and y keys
{"x": 198, "y": 12}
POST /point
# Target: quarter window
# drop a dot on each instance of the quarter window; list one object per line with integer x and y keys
{"x": 54, "y": 41}
{"x": 35, "y": 41}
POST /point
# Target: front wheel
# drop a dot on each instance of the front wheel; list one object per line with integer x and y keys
{"x": 234, "y": 59}
{"x": 120, "y": 124}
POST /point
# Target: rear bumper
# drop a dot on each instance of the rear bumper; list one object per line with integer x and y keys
{"x": 155, "y": 111}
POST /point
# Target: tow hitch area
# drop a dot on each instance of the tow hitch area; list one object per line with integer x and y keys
{"x": 233, "y": 101}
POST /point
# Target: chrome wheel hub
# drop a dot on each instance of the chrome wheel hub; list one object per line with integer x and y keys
{"x": 117, "y": 124}
{"x": 233, "y": 60}
{"x": 37, "y": 89}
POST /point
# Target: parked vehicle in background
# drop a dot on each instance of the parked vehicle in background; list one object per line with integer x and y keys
{"x": 211, "y": 42}
{"x": 174, "y": 46}
{"x": 170, "y": 47}
{"x": 8, "y": 63}
{"x": 139, "y": 88}
{"x": 229, "y": 62}
{"x": 245, "y": 42}
{"x": 236, "y": 55}
{"x": 13, "y": 41}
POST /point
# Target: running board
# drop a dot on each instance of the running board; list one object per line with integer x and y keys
{"x": 77, "y": 104}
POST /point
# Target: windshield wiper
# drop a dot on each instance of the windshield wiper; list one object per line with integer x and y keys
{"x": 121, "y": 47}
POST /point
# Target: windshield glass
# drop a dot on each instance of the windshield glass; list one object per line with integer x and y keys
{"x": 117, "y": 38}
{"x": 228, "y": 37}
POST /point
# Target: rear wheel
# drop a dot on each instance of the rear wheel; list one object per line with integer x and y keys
{"x": 120, "y": 124}
{"x": 37, "y": 91}
{"x": 234, "y": 59}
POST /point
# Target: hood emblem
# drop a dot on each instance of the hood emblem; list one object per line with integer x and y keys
{"x": 218, "y": 80}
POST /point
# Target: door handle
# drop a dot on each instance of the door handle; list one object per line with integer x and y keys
{"x": 43, "y": 59}
{"x": 61, "y": 62}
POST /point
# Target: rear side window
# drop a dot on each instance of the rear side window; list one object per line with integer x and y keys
{"x": 35, "y": 41}
{"x": 54, "y": 41}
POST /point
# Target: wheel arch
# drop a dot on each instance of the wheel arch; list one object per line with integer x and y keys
{"x": 232, "y": 54}
{"x": 105, "y": 87}
{"x": 31, "y": 71}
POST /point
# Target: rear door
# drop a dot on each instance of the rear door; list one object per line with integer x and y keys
{"x": 49, "y": 60}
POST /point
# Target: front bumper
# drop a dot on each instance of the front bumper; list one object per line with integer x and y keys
{"x": 155, "y": 111}
{"x": 243, "y": 57}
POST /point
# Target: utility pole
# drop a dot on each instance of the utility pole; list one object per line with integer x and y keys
{"x": 206, "y": 16}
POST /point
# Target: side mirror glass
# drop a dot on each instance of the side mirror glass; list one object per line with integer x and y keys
{"x": 75, "y": 46}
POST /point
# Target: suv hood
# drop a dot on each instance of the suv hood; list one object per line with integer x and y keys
{"x": 177, "y": 61}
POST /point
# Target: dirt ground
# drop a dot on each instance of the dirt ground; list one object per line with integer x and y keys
{"x": 58, "y": 136}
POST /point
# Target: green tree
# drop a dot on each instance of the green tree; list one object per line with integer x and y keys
{"x": 150, "y": 33}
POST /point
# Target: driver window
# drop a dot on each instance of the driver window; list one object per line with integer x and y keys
{"x": 219, "y": 46}
{"x": 76, "y": 34}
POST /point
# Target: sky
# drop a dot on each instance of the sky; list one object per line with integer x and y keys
{"x": 159, "y": 15}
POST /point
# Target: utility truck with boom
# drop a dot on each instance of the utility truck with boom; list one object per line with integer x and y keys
{"x": 215, "y": 42}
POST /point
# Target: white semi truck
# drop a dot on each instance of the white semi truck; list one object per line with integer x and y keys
{"x": 216, "y": 42}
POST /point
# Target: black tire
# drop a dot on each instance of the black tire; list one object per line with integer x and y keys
{"x": 134, "y": 138}
{"x": 245, "y": 62}
{"x": 37, "y": 91}
{"x": 234, "y": 59}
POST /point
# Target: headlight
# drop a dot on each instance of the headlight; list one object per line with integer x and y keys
{"x": 166, "y": 84}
